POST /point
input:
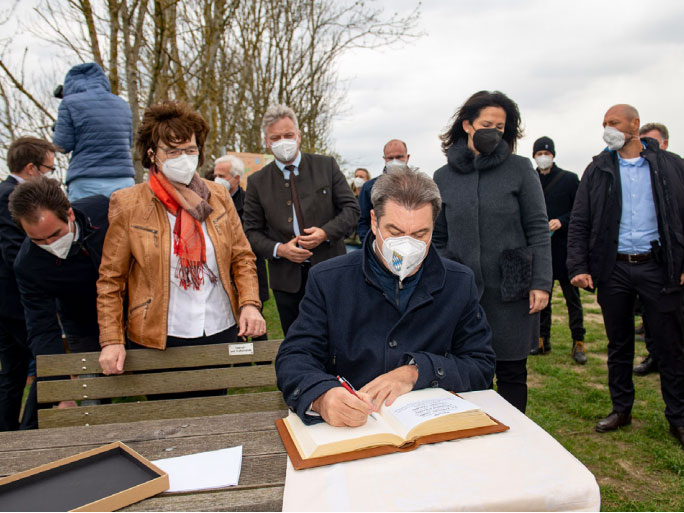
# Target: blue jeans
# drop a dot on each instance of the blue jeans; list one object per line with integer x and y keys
{"x": 88, "y": 186}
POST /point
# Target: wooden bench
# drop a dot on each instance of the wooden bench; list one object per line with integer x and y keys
{"x": 149, "y": 371}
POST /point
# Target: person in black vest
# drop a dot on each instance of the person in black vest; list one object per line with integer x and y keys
{"x": 57, "y": 265}
{"x": 28, "y": 158}
{"x": 559, "y": 188}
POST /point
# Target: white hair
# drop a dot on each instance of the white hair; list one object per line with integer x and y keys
{"x": 275, "y": 113}
{"x": 237, "y": 167}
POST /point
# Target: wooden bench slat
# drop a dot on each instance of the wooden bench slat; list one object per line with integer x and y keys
{"x": 153, "y": 359}
{"x": 167, "y": 409}
{"x": 127, "y": 385}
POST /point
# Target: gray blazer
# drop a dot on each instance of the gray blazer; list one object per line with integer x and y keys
{"x": 493, "y": 217}
{"x": 327, "y": 202}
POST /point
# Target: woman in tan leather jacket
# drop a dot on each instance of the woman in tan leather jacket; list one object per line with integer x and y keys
{"x": 175, "y": 246}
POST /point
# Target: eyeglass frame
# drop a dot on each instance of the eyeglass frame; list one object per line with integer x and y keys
{"x": 51, "y": 168}
{"x": 177, "y": 152}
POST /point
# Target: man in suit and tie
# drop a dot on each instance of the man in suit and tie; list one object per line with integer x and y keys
{"x": 27, "y": 158}
{"x": 298, "y": 209}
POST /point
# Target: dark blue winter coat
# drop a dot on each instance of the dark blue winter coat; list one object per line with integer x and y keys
{"x": 348, "y": 325}
{"x": 50, "y": 285}
{"x": 95, "y": 125}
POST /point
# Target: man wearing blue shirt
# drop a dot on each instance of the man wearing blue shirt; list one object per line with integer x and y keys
{"x": 626, "y": 238}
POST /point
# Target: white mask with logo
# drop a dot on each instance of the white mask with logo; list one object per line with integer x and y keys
{"x": 358, "y": 182}
{"x": 285, "y": 150}
{"x": 402, "y": 255}
{"x": 544, "y": 161}
{"x": 222, "y": 181}
{"x": 60, "y": 248}
{"x": 181, "y": 169}
{"x": 613, "y": 138}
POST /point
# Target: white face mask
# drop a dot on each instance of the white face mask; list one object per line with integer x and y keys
{"x": 402, "y": 255}
{"x": 222, "y": 181}
{"x": 358, "y": 182}
{"x": 285, "y": 150}
{"x": 60, "y": 248}
{"x": 613, "y": 138}
{"x": 181, "y": 169}
{"x": 395, "y": 164}
{"x": 544, "y": 161}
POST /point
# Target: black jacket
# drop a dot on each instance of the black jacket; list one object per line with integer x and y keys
{"x": 262, "y": 274}
{"x": 50, "y": 285}
{"x": 560, "y": 188}
{"x": 595, "y": 219}
{"x": 11, "y": 237}
{"x": 349, "y": 326}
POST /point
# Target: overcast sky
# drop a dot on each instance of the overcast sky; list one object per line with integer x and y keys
{"x": 564, "y": 63}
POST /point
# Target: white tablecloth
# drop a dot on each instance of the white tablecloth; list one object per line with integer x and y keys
{"x": 522, "y": 469}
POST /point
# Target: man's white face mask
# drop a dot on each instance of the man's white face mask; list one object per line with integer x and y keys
{"x": 544, "y": 161}
{"x": 222, "y": 181}
{"x": 402, "y": 255}
{"x": 395, "y": 164}
{"x": 285, "y": 150}
{"x": 60, "y": 248}
{"x": 613, "y": 138}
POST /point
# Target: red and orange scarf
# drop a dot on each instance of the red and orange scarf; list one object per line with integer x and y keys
{"x": 190, "y": 205}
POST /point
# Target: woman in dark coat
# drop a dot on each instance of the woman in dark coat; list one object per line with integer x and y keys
{"x": 493, "y": 220}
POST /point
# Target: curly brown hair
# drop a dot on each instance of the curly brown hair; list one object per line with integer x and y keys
{"x": 171, "y": 122}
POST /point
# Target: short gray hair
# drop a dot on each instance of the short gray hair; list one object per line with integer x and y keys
{"x": 410, "y": 189}
{"x": 237, "y": 167}
{"x": 275, "y": 113}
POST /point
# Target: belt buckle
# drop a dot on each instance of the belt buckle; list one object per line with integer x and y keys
{"x": 630, "y": 260}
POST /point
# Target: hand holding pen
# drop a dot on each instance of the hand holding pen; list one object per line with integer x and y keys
{"x": 349, "y": 388}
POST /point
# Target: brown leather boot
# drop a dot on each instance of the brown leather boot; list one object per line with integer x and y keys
{"x": 578, "y": 352}
{"x": 544, "y": 346}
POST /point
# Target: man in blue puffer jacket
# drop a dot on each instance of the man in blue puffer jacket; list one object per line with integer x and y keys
{"x": 96, "y": 126}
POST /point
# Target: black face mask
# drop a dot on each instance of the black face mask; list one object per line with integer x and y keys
{"x": 486, "y": 139}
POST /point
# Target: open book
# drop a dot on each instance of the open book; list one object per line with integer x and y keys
{"x": 420, "y": 416}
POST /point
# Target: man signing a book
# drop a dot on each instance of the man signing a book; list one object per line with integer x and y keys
{"x": 391, "y": 318}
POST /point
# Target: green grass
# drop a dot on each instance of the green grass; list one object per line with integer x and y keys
{"x": 640, "y": 467}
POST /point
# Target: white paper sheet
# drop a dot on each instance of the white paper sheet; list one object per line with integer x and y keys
{"x": 204, "y": 470}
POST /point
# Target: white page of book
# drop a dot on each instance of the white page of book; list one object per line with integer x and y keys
{"x": 204, "y": 470}
{"x": 323, "y": 433}
{"x": 422, "y": 405}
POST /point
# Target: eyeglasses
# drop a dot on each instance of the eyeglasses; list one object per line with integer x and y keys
{"x": 177, "y": 152}
{"x": 51, "y": 168}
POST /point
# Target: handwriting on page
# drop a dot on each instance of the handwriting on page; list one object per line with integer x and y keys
{"x": 414, "y": 413}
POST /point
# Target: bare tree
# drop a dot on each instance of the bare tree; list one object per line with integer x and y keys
{"x": 230, "y": 59}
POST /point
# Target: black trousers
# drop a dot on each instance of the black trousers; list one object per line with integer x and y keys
{"x": 511, "y": 382}
{"x": 575, "y": 313}
{"x": 15, "y": 356}
{"x": 663, "y": 315}
{"x": 288, "y": 302}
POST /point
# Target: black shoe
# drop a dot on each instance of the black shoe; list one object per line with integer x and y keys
{"x": 544, "y": 346}
{"x": 578, "y": 353}
{"x": 613, "y": 421}
{"x": 648, "y": 366}
{"x": 678, "y": 433}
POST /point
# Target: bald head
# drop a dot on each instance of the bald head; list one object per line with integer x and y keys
{"x": 623, "y": 110}
{"x": 624, "y": 118}
{"x": 395, "y": 149}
